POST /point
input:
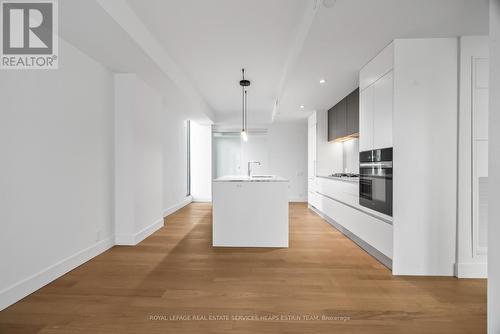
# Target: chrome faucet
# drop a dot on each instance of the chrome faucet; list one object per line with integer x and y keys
{"x": 252, "y": 162}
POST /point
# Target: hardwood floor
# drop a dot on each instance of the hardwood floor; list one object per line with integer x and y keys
{"x": 176, "y": 272}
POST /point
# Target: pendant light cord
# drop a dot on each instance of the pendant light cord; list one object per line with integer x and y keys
{"x": 246, "y": 111}
{"x": 244, "y": 106}
{"x": 243, "y": 102}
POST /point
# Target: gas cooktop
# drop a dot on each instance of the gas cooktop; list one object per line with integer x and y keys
{"x": 344, "y": 175}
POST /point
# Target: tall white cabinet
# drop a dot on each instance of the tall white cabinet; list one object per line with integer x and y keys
{"x": 376, "y": 101}
{"x": 408, "y": 101}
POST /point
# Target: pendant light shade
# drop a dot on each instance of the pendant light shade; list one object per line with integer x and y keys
{"x": 244, "y": 135}
{"x": 244, "y": 83}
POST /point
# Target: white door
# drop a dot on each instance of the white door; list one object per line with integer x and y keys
{"x": 480, "y": 78}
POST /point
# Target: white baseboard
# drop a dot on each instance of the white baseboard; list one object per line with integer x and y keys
{"x": 202, "y": 200}
{"x": 471, "y": 270}
{"x": 134, "y": 239}
{"x": 173, "y": 208}
{"x": 297, "y": 200}
{"x": 29, "y": 285}
{"x": 18, "y": 291}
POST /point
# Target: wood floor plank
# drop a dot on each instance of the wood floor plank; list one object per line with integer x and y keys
{"x": 175, "y": 275}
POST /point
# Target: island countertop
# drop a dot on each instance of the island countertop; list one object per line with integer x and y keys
{"x": 253, "y": 178}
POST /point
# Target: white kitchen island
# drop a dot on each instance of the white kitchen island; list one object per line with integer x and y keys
{"x": 250, "y": 211}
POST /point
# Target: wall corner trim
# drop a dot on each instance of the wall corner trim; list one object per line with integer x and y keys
{"x": 134, "y": 239}
{"x": 471, "y": 270}
{"x": 168, "y": 211}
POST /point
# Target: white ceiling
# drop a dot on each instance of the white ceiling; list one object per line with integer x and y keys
{"x": 106, "y": 41}
{"x": 211, "y": 40}
{"x": 344, "y": 38}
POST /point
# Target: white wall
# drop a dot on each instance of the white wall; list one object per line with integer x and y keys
{"x": 174, "y": 133}
{"x": 255, "y": 149}
{"x": 201, "y": 162}
{"x": 287, "y": 156}
{"x": 494, "y": 177}
{"x": 56, "y": 179}
{"x": 138, "y": 164}
{"x": 280, "y": 147}
{"x": 227, "y": 155}
{"x": 425, "y": 156}
{"x": 329, "y": 154}
{"x": 350, "y": 149}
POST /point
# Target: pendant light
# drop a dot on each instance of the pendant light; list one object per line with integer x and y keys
{"x": 244, "y": 83}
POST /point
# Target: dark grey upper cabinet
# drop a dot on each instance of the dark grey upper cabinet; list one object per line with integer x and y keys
{"x": 331, "y": 123}
{"x": 353, "y": 112}
{"x": 343, "y": 118}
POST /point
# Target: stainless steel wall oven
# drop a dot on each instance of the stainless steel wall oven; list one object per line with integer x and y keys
{"x": 375, "y": 180}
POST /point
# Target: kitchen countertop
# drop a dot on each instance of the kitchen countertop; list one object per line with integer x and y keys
{"x": 253, "y": 178}
{"x": 344, "y": 179}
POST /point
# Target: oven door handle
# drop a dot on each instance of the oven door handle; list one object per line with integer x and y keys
{"x": 384, "y": 164}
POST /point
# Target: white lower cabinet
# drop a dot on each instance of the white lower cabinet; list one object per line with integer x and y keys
{"x": 313, "y": 199}
{"x": 374, "y": 232}
{"x": 250, "y": 214}
{"x": 338, "y": 200}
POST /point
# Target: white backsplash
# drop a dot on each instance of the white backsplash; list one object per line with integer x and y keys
{"x": 350, "y": 156}
{"x": 329, "y": 154}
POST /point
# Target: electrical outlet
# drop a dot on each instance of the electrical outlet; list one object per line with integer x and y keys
{"x": 98, "y": 235}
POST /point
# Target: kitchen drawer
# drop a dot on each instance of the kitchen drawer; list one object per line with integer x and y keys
{"x": 371, "y": 230}
{"x": 343, "y": 191}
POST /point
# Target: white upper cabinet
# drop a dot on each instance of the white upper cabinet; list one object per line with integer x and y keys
{"x": 376, "y": 81}
{"x": 383, "y": 94}
{"x": 366, "y": 119}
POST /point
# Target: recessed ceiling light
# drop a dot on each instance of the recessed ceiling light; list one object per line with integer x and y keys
{"x": 329, "y": 3}
{"x": 302, "y": 107}
{"x": 322, "y": 81}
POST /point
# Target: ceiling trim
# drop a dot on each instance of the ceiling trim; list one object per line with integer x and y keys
{"x": 128, "y": 20}
{"x": 295, "y": 50}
